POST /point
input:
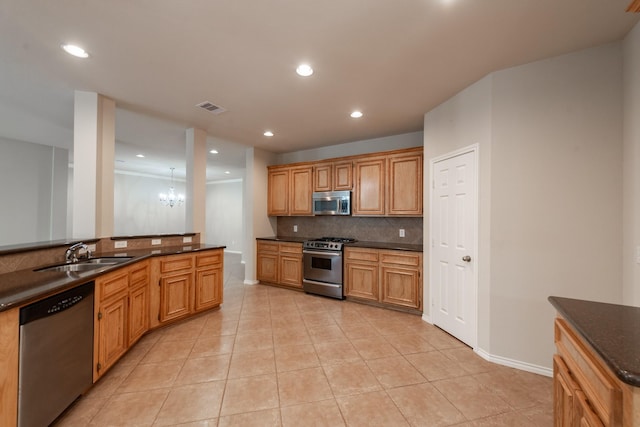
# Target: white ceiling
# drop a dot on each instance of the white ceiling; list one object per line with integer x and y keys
{"x": 393, "y": 59}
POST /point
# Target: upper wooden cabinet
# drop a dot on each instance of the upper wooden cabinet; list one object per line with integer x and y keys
{"x": 382, "y": 184}
{"x": 369, "y": 194}
{"x": 404, "y": 184}
{"x": 333, "y": 176}
{"x": 389, "y": 185}
{"x": 278, "y": 192}
{"x": 289, "y": 191}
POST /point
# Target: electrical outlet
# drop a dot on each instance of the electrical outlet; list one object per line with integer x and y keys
{"x": 156, "y": 242}
{"x": 402, "y": 232}
{"x": 638, "y": 255}
{"x": 295, "y": 228}
{"x": 120, "y": 244}
{"x": 186, "y": 239}
{"x": 92, "y": 248}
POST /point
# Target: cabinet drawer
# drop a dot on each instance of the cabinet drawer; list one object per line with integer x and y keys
{"x": 209, "y": 258}
{"x": 113, "y": 284}
{"x": 598, "y": 386}
{"x": 361, "y": 254}
{"x": 291, "y": 248}
{"x": 267, "y": 246}
{"x": 411, "y": 259}
{"x": 171, "y": 264}
{"x": 138, "y": 275}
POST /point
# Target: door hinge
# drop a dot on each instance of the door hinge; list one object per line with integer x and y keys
{"x": 99, "y": 366}
{"x": 99, "y": 315}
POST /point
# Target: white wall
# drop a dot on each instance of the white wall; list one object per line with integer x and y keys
{"x": 257, "y": 223}
{"x": 224, "y": 214}
{"x": 137, "y": 209}
{"x": 550, "y": 202}
{"x": 459, "y": 122}
{"x": 394, "y": 142}
{"x": 34, "y": 178}
{"x": 631, "y": 169}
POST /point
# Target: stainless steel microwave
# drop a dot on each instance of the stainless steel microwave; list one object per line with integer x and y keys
{"x": 332, "y": 203}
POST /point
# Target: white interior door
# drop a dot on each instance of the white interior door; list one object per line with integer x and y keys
{"x": 453, "y": 278}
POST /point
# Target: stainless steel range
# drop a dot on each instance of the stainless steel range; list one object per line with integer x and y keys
{"x": 322, "y": 272}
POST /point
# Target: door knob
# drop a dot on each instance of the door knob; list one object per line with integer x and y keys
{"x": 466, "y": 258}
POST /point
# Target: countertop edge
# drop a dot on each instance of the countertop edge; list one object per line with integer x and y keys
{"x": 359, "y": 244}
{"x": 631, "y": 378}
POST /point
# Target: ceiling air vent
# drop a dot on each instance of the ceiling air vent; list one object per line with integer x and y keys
{"x": 210, "y": 107}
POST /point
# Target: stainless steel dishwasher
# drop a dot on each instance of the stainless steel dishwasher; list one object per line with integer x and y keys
{"x": 56, "y": 355}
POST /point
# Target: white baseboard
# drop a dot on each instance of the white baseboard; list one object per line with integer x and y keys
{"x": 512, "y": 363}
{"x": 250, "y": 282}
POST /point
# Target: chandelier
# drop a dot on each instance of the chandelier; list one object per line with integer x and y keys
{"x": 171, "y": 199}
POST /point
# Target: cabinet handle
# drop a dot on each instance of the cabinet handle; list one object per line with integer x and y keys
{"x": 99, "y": 315}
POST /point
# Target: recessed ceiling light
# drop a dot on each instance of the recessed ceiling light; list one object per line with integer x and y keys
{"x": 76, "y": 51}
{"x": 140, "y": 155}
{"x": 356, "y": 114}
{"x": 214, "y": 151}
{"x": 227, "y": 172}
{"x": 304, "y": 70}
{"x": 268, "y": 133}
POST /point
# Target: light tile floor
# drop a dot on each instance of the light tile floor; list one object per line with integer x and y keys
{"x": 276, "y": 357}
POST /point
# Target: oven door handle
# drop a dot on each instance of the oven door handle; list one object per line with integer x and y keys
{"x": 322, "y": 253}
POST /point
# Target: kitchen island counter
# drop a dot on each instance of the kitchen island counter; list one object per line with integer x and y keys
{"x": 25, "y": 286}
{"x": 612, "y": 330}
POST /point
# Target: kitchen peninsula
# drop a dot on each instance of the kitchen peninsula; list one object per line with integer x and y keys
{"x": 596, "y": 369}
{"x": 126, "y": 306}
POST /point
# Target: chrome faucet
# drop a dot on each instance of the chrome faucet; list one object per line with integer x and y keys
{"x": 71, "y": 255}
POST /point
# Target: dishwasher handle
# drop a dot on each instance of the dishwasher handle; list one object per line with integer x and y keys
{"x": 56, "y": 303}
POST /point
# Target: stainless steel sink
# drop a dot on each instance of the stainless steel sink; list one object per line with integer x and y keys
{"x": 86, "y": 265}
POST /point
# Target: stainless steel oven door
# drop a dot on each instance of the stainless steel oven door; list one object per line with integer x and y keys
{"x": 323, "y": 266}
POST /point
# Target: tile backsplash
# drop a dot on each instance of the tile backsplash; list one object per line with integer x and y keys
{"x": 371, "y": 229}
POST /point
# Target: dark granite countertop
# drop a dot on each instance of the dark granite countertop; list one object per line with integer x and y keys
{"x": 25, "y": 286}
{"x": 612, "y": 330}
{"x": 358, "y": 244}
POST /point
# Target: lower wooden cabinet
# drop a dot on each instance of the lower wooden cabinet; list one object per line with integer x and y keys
{"x": 386, "y": 276}
{"x": 361, "y": 273}
{"x": 188, "y": 284}
{"x": 279, "y": 263}
{"x": 121, "y": 314}
{"x": 585, "y": 391}
{"x": 209, "y": 280}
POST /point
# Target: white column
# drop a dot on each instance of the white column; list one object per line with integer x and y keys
{"x": 196, "y": 190}
{"x": 93, "y": 162}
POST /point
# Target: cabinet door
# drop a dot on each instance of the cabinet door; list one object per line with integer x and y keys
{"x": 563, "y": 394}
{"x": 278, "y": 192}
{"x": 369, "y": 192}
{"x": 175, "y": 296}
{"x": 138, "y": 313}
{"x": 342, "y": 176}
{"x": 300, "y": 189}
{"x": 112, "y": 331}
{"x": 361, "y": 280}
{"x": 323, "y": 177}
{"x": 208, "y": 288}
{"x": 267, "y": 269}
{"x": 404, "y": 185}
{"x": 291, "y": 270}
{"x": 400, "y": 286}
